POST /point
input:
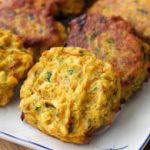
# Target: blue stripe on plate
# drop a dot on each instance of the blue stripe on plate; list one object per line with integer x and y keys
{"x": 46, "y": 148}
{"x": 25, "y": 141}
{"x": 145, "y": 142}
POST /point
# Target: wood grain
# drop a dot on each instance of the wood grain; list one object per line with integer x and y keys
{"x": 4, "y": 145}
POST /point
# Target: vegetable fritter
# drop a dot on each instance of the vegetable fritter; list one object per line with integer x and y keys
{"x": 15, "y": 60}
{"x": 69, "y": 94}
{"x": 49, "y": 7}
{"x": 33, "y": 27}
{"x": 137, "y": 12}
{"x": 113, "y": 40}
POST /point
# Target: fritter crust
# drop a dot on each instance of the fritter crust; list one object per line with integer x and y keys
{"x": 15, "y": 60}
{"x": 113, "y": 40}
{"x": 69, "y": 94}
{"x": 137, "y": 12}
{"x": 33, "y": 27}
{"x": 48, "y": 7}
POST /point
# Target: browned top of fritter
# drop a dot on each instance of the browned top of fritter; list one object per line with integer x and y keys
{"x": 48, "y": 7}
{"x": 44, "y": 6}
{"x": 34, "y": 27}
{"x": 137, "y": 12}
{"x": 113, "y": 40}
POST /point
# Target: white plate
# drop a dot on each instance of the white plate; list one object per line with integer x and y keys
{"x": 130, "y": 131}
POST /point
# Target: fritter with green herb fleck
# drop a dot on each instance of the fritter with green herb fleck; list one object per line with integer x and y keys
{"x": 113, "y": 40}
{"x": 15, "y": 61}
{"x": 69, "y": 94}
{"x": 137, "y": 12}
{"x": 48, "y": 7}
{"x": 36, "y": 29}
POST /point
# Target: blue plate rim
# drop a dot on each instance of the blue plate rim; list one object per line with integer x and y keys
{"x": 22, "y": 140}
{"x": 25, "y": 141}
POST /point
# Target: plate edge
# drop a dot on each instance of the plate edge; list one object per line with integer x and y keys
{"x": 21, "y": 141}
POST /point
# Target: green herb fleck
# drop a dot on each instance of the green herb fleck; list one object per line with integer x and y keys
{"x": 107, "y": 7}
{"x": 40, "y": 30}
{"x": 94, "y": 89}
{"x": 89, "y": 123}
{"x": 1, "y": 47}
{"x": 65, "y": 77}
{"x": 110, "y": 41}
{"x": 56, "y": 114}
{"x": 142, "y": 11}
{"x": 48, "y": 76}
{"x": 93, "y": 36}
{"x": 97, "y": 50}
{"x": 37, "y": 107}
{"x": 71, "y": 127}
{"x": 70, "y": 71}
{"x": 35, "y": 73}
{"x": 102, "y": 120}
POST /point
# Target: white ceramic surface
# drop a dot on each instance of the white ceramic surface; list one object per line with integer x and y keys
{"x": 130, "y": 131}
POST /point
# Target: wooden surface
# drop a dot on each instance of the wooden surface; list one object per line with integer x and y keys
{"x": 10, "y": 146}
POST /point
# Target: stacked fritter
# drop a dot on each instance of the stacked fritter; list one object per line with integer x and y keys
{"x": 50, "y": 7}
{"x": 36, "y": 27}
{"x": 33, "y": 20}
{"x": 15, "y": 61}
{"x": 113, "y": 40}
{"x": 137, "y": 12}
{"x": 28, "y": 21}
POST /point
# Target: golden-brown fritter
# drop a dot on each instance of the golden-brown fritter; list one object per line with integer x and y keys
{"x": 137, "y": 12}
{"x": 33, "y": 27}
{"x": 49, "y": 7}
{"x": 113, "y": 40}
{"x": 69, "y": 94}
{"x": 46, "y": 7}
{"x": 15, "y": 61}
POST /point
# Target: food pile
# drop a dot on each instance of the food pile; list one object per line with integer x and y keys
{"x": 80, "y": 61}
